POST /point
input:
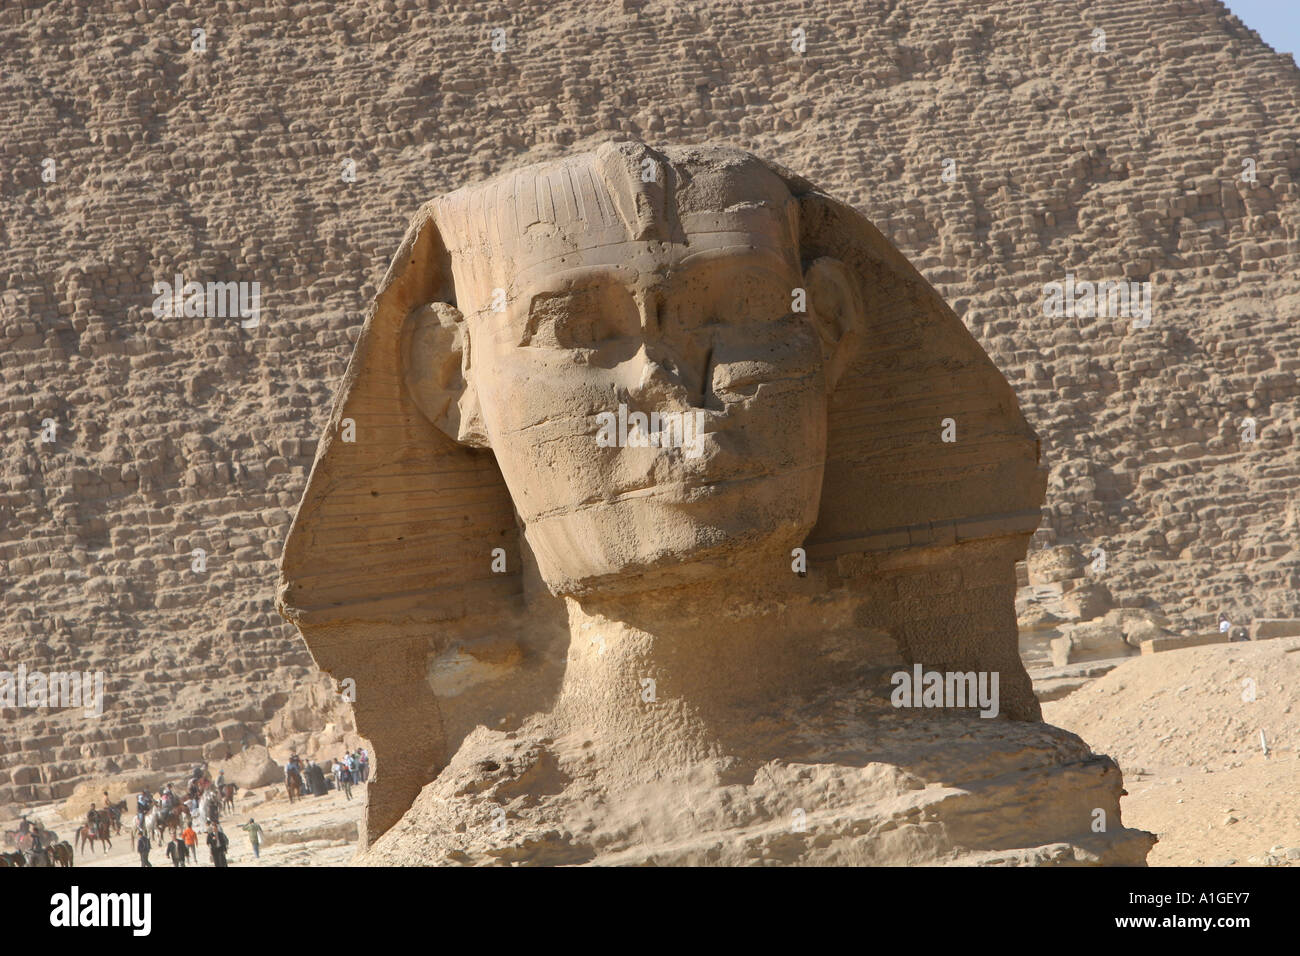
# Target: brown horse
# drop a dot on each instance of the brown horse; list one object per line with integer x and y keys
{"x": 86, "y": 836}
{"x": 228, "y": 797}
{"x": 62, "y": 853}
{"x": 293, "y": 783}
{"x": 95, "y": 828}
{"x": 12, "y": 859}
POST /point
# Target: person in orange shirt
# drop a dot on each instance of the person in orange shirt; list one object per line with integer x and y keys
{"x": 191, "y": 842}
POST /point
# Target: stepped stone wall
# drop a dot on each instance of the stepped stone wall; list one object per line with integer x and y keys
{"x": 226, "y": 164}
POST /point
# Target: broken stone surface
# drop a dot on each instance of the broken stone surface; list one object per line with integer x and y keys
{"x": 665, "y": 643}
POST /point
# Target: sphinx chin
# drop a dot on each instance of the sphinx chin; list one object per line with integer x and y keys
{"x": 665, "y": 541}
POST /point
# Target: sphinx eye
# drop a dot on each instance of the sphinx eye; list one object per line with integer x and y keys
{"x": 754, "y": 296}
{"x": 582, "y": 318}
{"x": 738, "y": 297}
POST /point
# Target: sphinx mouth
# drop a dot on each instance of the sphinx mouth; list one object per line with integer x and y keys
{"x": 683, "y": 491}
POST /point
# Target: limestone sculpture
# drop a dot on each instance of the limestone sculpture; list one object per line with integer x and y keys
{"x": 654, "y": 474}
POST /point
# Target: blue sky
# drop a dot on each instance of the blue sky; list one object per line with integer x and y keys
{"x": 1276, "y": 21}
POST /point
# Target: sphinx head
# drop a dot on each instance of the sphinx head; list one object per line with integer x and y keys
{"x": 635, "y": 337}
{"x": 660, "y": 367}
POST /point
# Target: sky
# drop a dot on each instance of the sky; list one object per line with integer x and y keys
{"x": 1276, "y": 21}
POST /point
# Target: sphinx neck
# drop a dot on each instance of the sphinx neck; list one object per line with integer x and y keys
{"x": 681, "y": 676}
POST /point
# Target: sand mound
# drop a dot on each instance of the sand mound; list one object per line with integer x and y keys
{"x": 1189, "y": 708}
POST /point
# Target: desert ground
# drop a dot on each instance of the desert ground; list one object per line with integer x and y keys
{"x": 1189, "y": 744}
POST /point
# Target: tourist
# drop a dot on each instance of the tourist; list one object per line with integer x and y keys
{"x": 343, "y": 778}
{"x": 217, "y": 845}
{"x": 364, "y": 760}
{"x": 353, "y": 766}
{"x": 143, "y": 846}
{"x": 254, "y": 835}
{"x": 191, "y": 842}
{"x": 176, "y": 852}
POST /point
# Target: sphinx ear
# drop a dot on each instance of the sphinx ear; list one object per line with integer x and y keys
{"x": 836, "y": 308}
{"x": 436, "y": 365}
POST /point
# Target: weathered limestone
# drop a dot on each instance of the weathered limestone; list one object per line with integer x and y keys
{"x": 561, "y": 639}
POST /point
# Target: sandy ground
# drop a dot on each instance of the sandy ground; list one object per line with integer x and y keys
{"x": 313, "y": 831}
{"x": 1243, "y": 816}
{"x": 1185, "y": 728}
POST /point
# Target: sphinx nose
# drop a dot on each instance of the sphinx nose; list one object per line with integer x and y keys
{"x": 664, "y": 368}
{"x": 648, "y": 307}
{"x": 651, "y": 377}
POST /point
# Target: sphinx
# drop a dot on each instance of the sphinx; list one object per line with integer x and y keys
{"x": 567, "y": 650}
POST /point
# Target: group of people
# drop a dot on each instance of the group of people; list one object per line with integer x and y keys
{"x": 352, "y": 767}
{"x": 183, "y": 848}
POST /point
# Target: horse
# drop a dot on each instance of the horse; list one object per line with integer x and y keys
{"x": 62, "y": 853}
{"x": 293, "y": 783}
{"x": 228, "y": 797}
{"x": 160, "y": 818}
{"x": 24, "y": 841}
{"x": 95, "y": 828}
{"x": 39, "y": 857}
{"x": 102, "y": 827}
{"x": 210, "y": 806}
{"x": 115, "y": 812}
{"x": 86, "y": 836}
{"x": 12, "y": 859}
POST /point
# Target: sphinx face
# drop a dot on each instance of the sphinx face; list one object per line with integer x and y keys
{"x": 657, "y": 409}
